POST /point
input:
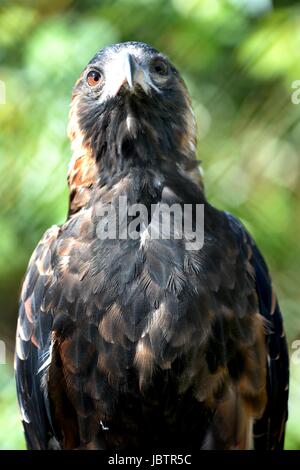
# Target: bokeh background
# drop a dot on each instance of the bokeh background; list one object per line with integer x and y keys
{"x": 239, "y": 58}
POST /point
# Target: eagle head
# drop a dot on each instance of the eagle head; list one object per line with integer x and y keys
{"x": 130, "y": 107}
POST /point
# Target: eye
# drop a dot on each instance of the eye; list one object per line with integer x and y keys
{"x": 94, "y": 77}
{"x": 159, "y": 67}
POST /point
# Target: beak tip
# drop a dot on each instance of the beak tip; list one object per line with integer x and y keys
{"x": 129, "y": 68}
{"x": 130, "y": 83}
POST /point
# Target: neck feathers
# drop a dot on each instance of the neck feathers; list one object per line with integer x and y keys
{"x": 121, "y": 141}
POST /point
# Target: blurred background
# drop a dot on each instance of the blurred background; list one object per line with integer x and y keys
{"x": 240, "y": 59}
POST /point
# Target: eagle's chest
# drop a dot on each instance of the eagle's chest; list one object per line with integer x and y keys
{"x": 142, "y": 307}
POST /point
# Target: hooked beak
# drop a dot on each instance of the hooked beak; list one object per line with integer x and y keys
{"x": 125, "y": 71}
{"x": 129, "y": 69}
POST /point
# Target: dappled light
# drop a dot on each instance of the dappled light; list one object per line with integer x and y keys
{"x": 239, "y": 60}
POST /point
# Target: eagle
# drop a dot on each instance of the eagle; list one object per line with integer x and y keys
{"x": 146, "y": 342}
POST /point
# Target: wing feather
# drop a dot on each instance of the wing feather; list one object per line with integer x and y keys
{"x": 33, "y": 345}
{"x": 269, "y": 429}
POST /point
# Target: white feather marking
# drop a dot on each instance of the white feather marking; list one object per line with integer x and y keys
{"x": 48, "y": 358}
{"x": 104, "y": 428}
{"x": 145, "y": 235}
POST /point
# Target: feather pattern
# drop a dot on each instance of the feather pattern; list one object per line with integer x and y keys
{"x": 131, "y": 343}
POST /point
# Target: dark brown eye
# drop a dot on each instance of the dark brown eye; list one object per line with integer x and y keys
{"x": 94, "y": 77}
{"x": 160, "y": 67}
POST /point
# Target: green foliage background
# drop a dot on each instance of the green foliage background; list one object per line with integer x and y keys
{"x": 239, "y": 59}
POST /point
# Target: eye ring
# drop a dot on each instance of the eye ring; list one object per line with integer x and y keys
{"x": 94, "y": 78}
{"x": 160, "y": 67}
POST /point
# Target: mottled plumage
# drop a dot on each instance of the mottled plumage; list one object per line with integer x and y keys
{"x": 142, "y": 343}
